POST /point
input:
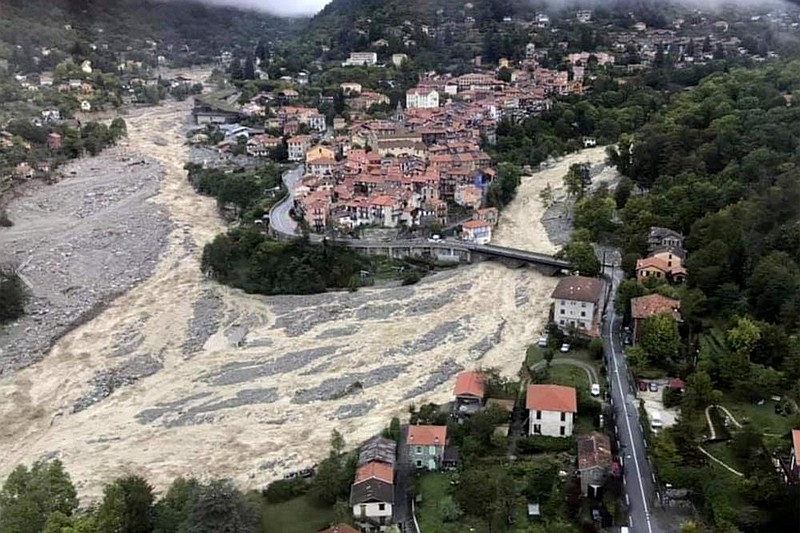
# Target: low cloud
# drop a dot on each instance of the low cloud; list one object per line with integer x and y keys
{"x": 286, "y": 8}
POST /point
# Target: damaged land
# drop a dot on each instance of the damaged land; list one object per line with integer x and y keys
{"x": 181, "y": 376}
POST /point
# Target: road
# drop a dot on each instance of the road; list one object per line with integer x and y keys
{"x": 280, "y": 219}
{"x": 638, "y": 476}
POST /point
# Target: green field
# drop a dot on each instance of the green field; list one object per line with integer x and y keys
{"x": 299, "y": 515}
{"x": 763, "y": 416}
{"x": 434, "y": 487}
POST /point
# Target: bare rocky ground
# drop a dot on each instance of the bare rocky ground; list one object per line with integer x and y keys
{"x": 180, "y": 376}
{"x": 78, "y": 244}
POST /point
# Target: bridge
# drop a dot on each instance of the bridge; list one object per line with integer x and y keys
{"x": 444, "y": 250}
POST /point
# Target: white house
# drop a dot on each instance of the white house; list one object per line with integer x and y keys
{"x": 298, "y": 146}
{"x": 551, "y": 410}
{"x": 422, "y": 98}
{"x": 361, "y": 59}
{"x": 372, "y": 496}
{"x": 476, "y": 231}
{"x": 577, "y": 303}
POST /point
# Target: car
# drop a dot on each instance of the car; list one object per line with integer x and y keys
{"x": 564, "y": 348}
{"x": 435, "y": 238}
{"x": 653, "y": 386}
{"x": 542, "y": 342}
{"x": 595, "y": 389}
{"x": 643, "y": 386}
{"x": 627, "y": 340}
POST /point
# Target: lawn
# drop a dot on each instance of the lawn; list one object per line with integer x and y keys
{"x": 533, "y": 355}
{"x": 763, "y": 416}
{"x": 571, "y": 376}
{"x": 299, "y": 515}
{"x": 434, "y": 487}
{"x": 722, "y": 451}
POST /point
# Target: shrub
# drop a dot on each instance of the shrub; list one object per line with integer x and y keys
{"x": 411, "y": 278}
{"x": 541, "y": 444}
{"x": 284, "y": 490}
{"x": 596, "y": 348}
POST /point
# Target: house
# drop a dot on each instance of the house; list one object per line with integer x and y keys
{"x": 476, "y": 231}
{"x": 451, "y": 458}
{"x": 422, "y": 98}
{"x": 469, "y": 392}
{"x": 594, "y": 462}
{"x": 397, "y": 59}
{"x": 349, "y": 88}
{"x": 298, "y": 146}
{"x": 578, "y": 301}
{"x": 372, "y": 496}
{"x": 551, "y": 410}
{"x": 487, "y": 214}
{"x": 262, "y": 145}
{"x": 659, "y": 237}
{"x": 319, "y": 152}
{"x": 86, "y": 106}
{"x": 644, "y": 307}
{"x": 361, "y": 59}
{"x": 426, "y": 446}
{"x": 658, "y": 268}
{"x": 378, "y": 449}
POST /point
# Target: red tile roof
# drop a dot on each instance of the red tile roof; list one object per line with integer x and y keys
{"x": 552, "y": 398}
{"x": 652, "y": 305}
{"x": 474, "y": 224}
{"x": 470, "y": 384}
{"x": 427, "y": 435}
{"x": 796, "y": 441}
{"x": 594, "y": 450}
{"x": 375, "y": 470}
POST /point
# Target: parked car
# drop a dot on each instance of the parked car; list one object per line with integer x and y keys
{"x": 565, "y": 348}
{"x": 542, "y": 342}
{"x": 653, "y": 386}
{"x": 595, "y": 389}
{"x": 643, "y": 386}
{"x": 435, "y": 238}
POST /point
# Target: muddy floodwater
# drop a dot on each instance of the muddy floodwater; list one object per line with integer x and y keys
{"x": 181, "y": 376}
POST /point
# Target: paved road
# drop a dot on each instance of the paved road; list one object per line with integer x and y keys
{"x": 280, "y": 219}
{"x": 638, "y": 476}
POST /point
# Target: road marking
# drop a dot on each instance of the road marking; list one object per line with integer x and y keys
{"x": 630, "y": 433}
{"x": 654, "y": 477}
{"x": 627, "y": 501}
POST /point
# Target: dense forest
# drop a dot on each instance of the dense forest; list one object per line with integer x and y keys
{"x": 721, "y": 165}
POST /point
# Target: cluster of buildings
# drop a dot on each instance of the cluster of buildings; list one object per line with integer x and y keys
{"x": 665, "y": 257}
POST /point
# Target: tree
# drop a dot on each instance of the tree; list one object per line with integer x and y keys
{"x": 623, "y": 191}
{"x": 582, "y": 258}
{"x": 29, "y": 496}
{"x": 596, "y": 348}
{"x": 504, "y": 186}
{"x": 660, "y": 339}
{"x": 699, "y": 392}
{"x": 578, "y": 179}
{"x": 173, "y": 509}
{"x": 220, "y": 507}
{"x": 249, "y": 71}
{"x": 337, "y": 443}
{"x": 127, "y": 506}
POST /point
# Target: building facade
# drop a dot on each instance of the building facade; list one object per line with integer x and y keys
{"x": 551, "y": 410}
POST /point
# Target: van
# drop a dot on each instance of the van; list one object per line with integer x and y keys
{"x": 656, "y": 422}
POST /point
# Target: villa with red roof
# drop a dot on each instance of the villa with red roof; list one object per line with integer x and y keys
{"x": 551, "y": 410}
{"x": 426, "y": 446}
{"x": 793, "y": 472}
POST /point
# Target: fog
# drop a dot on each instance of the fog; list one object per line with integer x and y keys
{"x": 288, "y": 8}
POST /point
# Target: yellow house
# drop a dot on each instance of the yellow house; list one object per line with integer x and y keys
{"x": 320, "y": 152}
{"x": 504, "y": 63}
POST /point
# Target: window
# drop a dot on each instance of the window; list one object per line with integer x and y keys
{"x": 562, "y": 311}
{"x": 561, "y": 321}
{"x": 537, "y": 429}
{"x": 363, "y": 510}
{"x": 419, "y": 463}
{"x": 381, "y": 506}
{"x": 432, "y": 450}
{"x": 563, "y": 416}
{"x": 583, "y": 313}
{"x": 419, "y": 449}
{"x": 583, "y": 304}
{"x": 538, "y": 415}
{"x": 562, "y": 431}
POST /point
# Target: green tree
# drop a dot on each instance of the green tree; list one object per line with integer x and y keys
{"x": 219, "y": 506}
{"x": 13, "y": 295}
{"x": 127, "y": 506}
{"x": 623, "y": 191}
{"x": 582, "y": 258}
{"x": 30, "y": 496}
{"x": 173, "y": 509}
{"x": 578, "y": 179}
{"x": 337, "y": 443}
{"x": 699, "y": 392}
{"x": 660, "y": 339}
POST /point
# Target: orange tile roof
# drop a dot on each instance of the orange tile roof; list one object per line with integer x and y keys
{"x": 470, "y": 383}
{"x": 375, "y": 470}
{"x": 652, "y": 262}
{"x": 427, "y": 435}
{"x": 653, "y": 304}
{"x": 552, "y": 398}
{"x": 475, "y": 224}
{"x": 796, "y": 441}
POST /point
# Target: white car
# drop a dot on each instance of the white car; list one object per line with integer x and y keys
{"x": 542, "y": 342}
{"x": 595, "y": 389}
{"x": 565, "y": 348}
